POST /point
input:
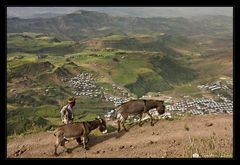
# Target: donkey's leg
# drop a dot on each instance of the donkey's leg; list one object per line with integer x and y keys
{"x": 55, "y": 147}
{"x": 79, "y": 141}
{"x": 144, "y": 106}
{"x": 87, "y": 140}
{"x": 124, "y": 126}
{"x": 119, "y": 127}
{"x": 83, "y": 141}
{"x": 119, "y": 120}
{"x": 151, "y": 118}
{"x": 84, "y": 138}
{"x": 63, "y": 145}
{"x": 140, "y": 120}
{"x": 59, "y": 141}
{"x": 124, "y": 118}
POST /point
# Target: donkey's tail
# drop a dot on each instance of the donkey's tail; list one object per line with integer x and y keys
{"x": 54, "y": 133}
{"x": 115, "y": 114}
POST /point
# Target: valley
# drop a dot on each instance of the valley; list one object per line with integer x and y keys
{"x": 105, "y": 60}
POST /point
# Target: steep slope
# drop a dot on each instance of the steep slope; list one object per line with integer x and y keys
{"x": 207, "y": 136}
{"x": 172, "y": 71}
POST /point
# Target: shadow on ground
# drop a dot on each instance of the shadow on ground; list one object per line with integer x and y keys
{"x": 94, "y": 140}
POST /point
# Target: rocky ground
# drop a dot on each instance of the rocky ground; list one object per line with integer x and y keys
{"x": 190, "y": 136}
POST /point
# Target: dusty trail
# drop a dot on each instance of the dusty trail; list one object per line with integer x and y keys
{"x": 209, "y": 136}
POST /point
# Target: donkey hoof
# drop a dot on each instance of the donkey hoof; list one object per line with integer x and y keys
{"x": 68, "y": 150}
{"x": 152, "y": 124}
{"x": 86, "y": 148}
{"x": 56, "y": 154}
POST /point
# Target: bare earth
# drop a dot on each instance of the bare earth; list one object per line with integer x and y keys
{"x": 206, "y": 136}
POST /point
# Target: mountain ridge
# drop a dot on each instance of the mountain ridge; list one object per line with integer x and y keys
{"x": 146, "y": 12}
{"x": 84, "y": 25}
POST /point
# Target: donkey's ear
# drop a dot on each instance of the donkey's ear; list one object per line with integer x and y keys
{"x": 99, "y": 119}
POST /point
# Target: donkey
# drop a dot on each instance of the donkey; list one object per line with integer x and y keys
{"x": 78, "y": 131}
{"x": 138, "y": 107}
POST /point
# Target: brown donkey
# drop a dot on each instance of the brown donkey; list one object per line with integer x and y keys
{"x": 137, "y": 107}
{"x": 78, "y": 131}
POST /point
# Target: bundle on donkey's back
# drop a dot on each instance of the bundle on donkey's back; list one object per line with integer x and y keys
{"x": 78, "y": 131}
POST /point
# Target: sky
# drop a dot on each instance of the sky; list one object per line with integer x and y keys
{"x": 32, "y": 12}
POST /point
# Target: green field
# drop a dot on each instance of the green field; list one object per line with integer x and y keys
{"x": 140, "y": 63}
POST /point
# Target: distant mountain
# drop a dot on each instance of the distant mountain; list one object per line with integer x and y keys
{"x": 83, "y": 24}
{"x": 37, "y": 15}
{"x": 46, "y": 15}
{"x": 145, "y": 12}
{"x": 33, "y": 12}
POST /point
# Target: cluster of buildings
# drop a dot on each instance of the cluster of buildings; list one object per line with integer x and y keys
{"x": 116, "y": 100}
{"x": 197, "y": 106}
{"x": 85, "y": 85}
{"x": 216, "y": 85}
{"x": 200, "y": 106}
{"x": 120, "y": 90}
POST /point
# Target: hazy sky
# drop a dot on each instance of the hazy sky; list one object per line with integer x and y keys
{"x": 28, "y": 12}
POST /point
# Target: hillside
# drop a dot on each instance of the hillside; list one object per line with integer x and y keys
{"x": 83, "y": 25}
{"x": 136, "y": 63}
{"x": 208, "y": 136}
{"x": 104, "y": 60}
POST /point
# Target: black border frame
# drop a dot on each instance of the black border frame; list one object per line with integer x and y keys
{"x": 165, "y": 3}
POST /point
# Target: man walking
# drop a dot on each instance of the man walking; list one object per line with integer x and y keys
{"x": 67, "y": 111}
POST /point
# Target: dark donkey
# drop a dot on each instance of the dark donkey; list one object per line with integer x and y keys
{"x": 138, "y": 107}
{"x": 78, "y": 131}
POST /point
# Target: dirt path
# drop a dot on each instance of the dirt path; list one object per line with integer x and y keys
{"x": 208, "y": 136}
